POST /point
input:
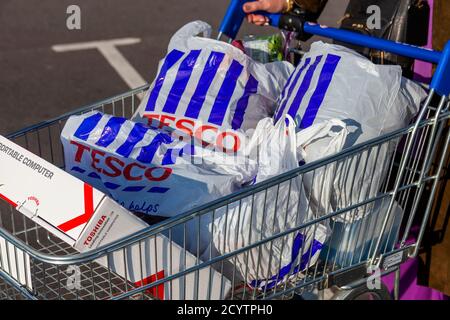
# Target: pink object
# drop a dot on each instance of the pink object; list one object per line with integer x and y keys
{"x": 409, "y": 289}
{"x": 238, "y": 44}
{"x": 423, "y": 71}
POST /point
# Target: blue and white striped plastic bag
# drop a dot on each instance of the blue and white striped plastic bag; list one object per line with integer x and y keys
{"x": 269, "y": 213}
{"x": 334, "y": 82}
{"x": 211, "y": 90}
{"x": 147, "y": 170}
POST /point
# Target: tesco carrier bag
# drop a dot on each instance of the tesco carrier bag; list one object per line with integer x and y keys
{"x": 147, "y": 170}
{"x": 333, "y": 82}
{"x": 211, "y": 90}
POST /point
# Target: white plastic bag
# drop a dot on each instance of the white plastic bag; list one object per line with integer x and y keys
{"x": 268, "y": 213}
{"x": 333, "y": 82}
{"x": 146, "y": 170}
{"x": 211, "y": 90}
{"x": 320, "y": 141}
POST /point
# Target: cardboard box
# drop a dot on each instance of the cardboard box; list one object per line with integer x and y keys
{"x": 87, "y": 219}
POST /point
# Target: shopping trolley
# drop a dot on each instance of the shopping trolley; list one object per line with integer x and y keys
{"x": 34, "y": 264}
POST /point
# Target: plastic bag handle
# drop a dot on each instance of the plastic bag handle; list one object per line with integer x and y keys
{"x": 321, "y": 130}
{"x": 190, "y": 30}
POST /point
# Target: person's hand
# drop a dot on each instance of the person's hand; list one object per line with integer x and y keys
{"x": 272, "y": 6}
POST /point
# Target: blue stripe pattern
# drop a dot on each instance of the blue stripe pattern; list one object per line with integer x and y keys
{"x": 304, "y": 87}
{"x": 158, "y": 190}
{"x": 134, "y": 189}
{"x": 147, "y": 153}
{"x": 288, "y": 269}
{"x": 136, "y": 135}
{"x": 181, "y": 81}
{"x": 169, "y": 158}
{"x": 251, "y": 88}
{"x": 206, "y": 79}
{"x": 110, "y": 131}
{"x": 291, "y": 89}
{"x": 86, "y": 127}
{"x": 171, "y": 59}
{"x": 226, "y": 91}
{"x": 78, "y": 169}
{"x": 112, "y": 186}
{"x": 318, "y": 96}
{"x": 94, "y": 175}
{"x": 288, "y": 83}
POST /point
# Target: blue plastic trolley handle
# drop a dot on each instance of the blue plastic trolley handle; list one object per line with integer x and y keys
{"x": 235, "y": 16}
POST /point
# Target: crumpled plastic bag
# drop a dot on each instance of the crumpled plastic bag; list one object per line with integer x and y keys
{"x": 269, "y": 213}
{"x": 147, "y": 170}
{"x": 334, "y": 82}
{"x": 211, "y": 90}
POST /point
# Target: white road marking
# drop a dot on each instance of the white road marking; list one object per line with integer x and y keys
{"x": 108, "y": 48}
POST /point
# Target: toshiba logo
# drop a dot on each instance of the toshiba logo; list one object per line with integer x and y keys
{"x": 94, "y": 231}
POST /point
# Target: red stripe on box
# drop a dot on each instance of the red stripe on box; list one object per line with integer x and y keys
{"x": 88, "y": 211}
{"x": 158, "y": 291}
{"x": 8, "y": 200}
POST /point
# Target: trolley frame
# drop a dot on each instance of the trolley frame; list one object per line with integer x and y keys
{"x": 413, "y": 176}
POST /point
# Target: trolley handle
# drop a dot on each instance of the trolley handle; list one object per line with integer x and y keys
{"x": 441, "y": 78}
{"x": 235, "y": 16}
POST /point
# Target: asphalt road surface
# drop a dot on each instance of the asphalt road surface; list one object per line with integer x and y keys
{"x": 38, "y": 81}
